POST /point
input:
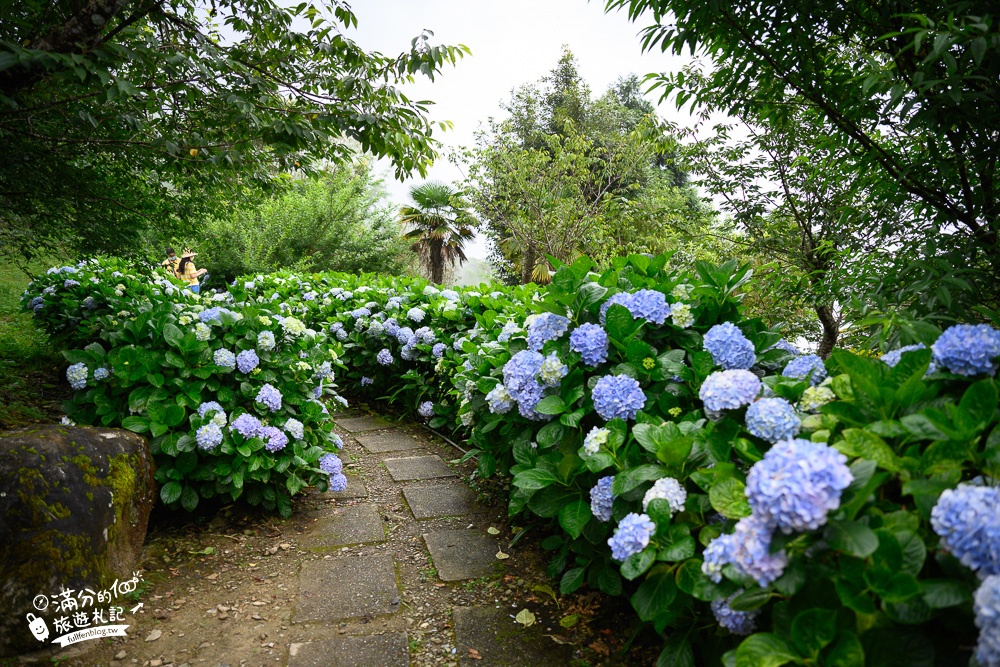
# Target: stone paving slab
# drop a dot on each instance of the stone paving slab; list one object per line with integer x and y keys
{"x": 342, "y": 588}
{"x": 428, "y": 502}
{"x": 501, "y": 641}
{"x": 388, "y": 441}
{"x": 355, "y": 488}
{"x": 462, "y": 554}
{"x": 362, "y": 424}
{"x": 418, "y": 467}
{"x": 391, "y": 649}
{"x": 344, "y": 526}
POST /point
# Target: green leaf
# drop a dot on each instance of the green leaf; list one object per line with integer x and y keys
{"x": 980, "y": 401}
{"x": 728, "y": 497}
{"x": 696, "y": 583}
{"x": 845, "y": 651}
{"x": 656, "y": 593}
{"x": 813, "y": 629}
{"x": 750, "y": 599}
{"x": 944, "y": 593}
{"x": 551, "y": 405}
{"x": 629, "y": 479}
{"x": 574, "y": 516}
{"x": 136, "y": 424}
{"x": 189, "y": 499}
{"x": 572, "y": 580}
{"x": 536, "y": 478}
{"x": 676, "y": 652}
{"x": 765, "y": 650}
{"x": 637, "y": 564}
{"x": 851, "y": 537}
{"x": 858, "y": 442}
{"x": 170, "y": 492}
{"x": 173, "y": 335}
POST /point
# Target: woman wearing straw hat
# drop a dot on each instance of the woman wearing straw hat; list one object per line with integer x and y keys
{"x": 187, "y": 272}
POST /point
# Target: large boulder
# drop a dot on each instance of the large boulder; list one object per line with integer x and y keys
{"x": 74, "y": 505}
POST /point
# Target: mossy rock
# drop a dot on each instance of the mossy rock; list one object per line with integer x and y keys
{"x": 74, "y": 506}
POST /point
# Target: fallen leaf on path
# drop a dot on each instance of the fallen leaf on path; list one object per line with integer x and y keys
{"x": 525, "y": 618}
{"x": 474, "y": 654}
{"x": 492, "y": 531}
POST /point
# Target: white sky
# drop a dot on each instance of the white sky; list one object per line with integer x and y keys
{"x": 513, "y": 42}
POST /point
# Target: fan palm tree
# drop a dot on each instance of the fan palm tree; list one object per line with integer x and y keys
{"x": 440, "y": 225}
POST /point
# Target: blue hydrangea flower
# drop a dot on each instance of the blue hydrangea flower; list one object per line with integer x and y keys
{"x": 202, "y": 332}
{"x": 968, "y": 522}
{"x": 295, "y": 428}
{"x": 274, "y": 439}
{"x": 618, "y": 396}
{"x": 519, "y": 374}
{"x": 336, "y": 326}
{"x": 338, "y": 482}
{"x": 729, "y": 347}
{"x": 265, "y": 341}
{"x": 394, "y": 302}
{"x": 36, "y": 301}
{"x": 968, "y": 349}
{"x": 649, "y": 304}
{"x": 552, "y": 371}
{"x": 218, "y": 414}
{"x": 631, "y": 536}
{"x": 748, "y": 550}
{"x": 668, "y": 489}
{"x": 893, "y": 357}
{"x": 619, "y": 298}
{"x": 509, "y": 329}
{"x": 210, "y": 315}
{"x": 806, "y": 366}
{"x": 208, "y": 436}
{"x": 737, "y": 622}
{"x": 499, "y": 400}
{"x": 358, "y": 313}
{"x": 409, "y": 353}
{"x": 601, "y": 499}
{"x": 459, "y": 342}
{"x": 591, "y": 341}
{"x": 415, "y": 315}
{"x": 426, "y": 409}
{"x": 449, "y": 294}
{"x": 797, "y": 483}
{"x": 729, "y": 390}
{"x": 773, "y": 419}
{"x": 438, "y": 350}
{"x": 391, "y": 326}
{"x": 336, "y": 441}
{"x": 546, "y": 327}
{"x": 247, "y": 360}
{"x": 365, "y": 381}
{"x": 341, "y": 334}
{"x": 783, "y": 344}
{"x": 246, "y": 425}
{"x": 375, "y": 328}
{"x": 225, "y": 359}
{"x": 70, "y": 283}
{"x": 403, "y": 335}
{"x": 425, "y": 335}
{"x": 987, "y": 609}
{"x": 77, "y": 375}
{"x": 384, "y": 357}
{"x": 101, "y": 373}
{"x": 597, "y": 437}
{"x": 331, "y": 464}
{"x": 270, "y": 397}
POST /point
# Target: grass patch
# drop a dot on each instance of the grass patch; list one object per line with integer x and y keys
{"x": 30, "y": 390}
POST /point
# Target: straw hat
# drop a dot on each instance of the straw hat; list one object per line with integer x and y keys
{"x": 188, "y": 253}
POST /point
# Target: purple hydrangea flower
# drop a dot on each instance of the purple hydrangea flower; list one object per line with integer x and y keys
{"x": 509, "y": 329}
{"x": 748, "y": 550}
{"x": 519, "y": 374}
{"x": 797, "y": 483}
{"x": 331, "y": 464}
{"x": 806, "y": 366}
{"x": 270, "y": 397}
{"x": 358, "y": 313}
{"x": 783, "y": 344}
{"x": 425, "y": 335}
{"x": 365, "y": 381}
{"x": 618, "y": 396}
{"x": 631, "y": 536}
{"x": 70, "y": 283}
{"x": 438, "y": 350}
{"x": 729, "y": 347}
{"x": 225, "y": 359}
{"x": 404, "y": 335}
{"x": 968, "y": 349}
{"x": 773, "y": 419}
{"x": 336, "y": 441}
{"x": 649, "y": 304}
{"x": 209, "y": 315}
{"x": 208, "y": 436}
{"x": 987, "y": 609}
{"x": 295, "y": 428}
{"x": 729, "y": 390}
{"x": 274, "y": 439}
{"x": 384, "y": 357}
{"x": 737, "y": 622}
{"x": 546, "y": 327}
{"x": 101, "y": 373}
{"x": 246, "y": 361}
{"x": 391, "y": 326}
{"x": 246, "y": 425}
{"x": 338, "y": 482}
{"x": 968, "y": 522}
{"x": 426, "y": 409}
{"x": 601, "y": 499}
{"x": 591, "y": 341}
{"x": 77, "y": 375}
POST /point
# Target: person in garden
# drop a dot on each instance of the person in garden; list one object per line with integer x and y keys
{"x": 187, "y": 271}
{"x": 170, "y": 263}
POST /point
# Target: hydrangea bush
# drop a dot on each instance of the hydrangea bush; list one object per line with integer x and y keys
{"x": 756, "y": 504}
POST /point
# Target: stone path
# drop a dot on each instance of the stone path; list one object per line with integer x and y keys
{"x": 405, "y": 531}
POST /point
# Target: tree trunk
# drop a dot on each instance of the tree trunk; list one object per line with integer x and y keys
{"x": 528, "y": 258}
{"x": 831, "y": 330}
{"x": 437, "y": 261}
